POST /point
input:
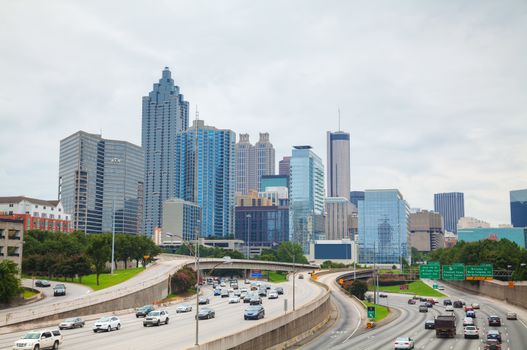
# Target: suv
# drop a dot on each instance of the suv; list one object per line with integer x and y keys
{"x": 144, "y": 310}
{"x": 156, "y": 317}
{"x": 44, "y": 339}
{"x": 107, "y": 324}
{"x": 59, "y": 290}
{"x": 430, "y": 324}
{"x": 494, "y": 321}
{"x": 423, "y": 308}
{"x": 458, "y": 304}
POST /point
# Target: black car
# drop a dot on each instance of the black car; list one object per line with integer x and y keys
{"x": 429, "y": 304}
{"x": 254, "y": 312}
{"x": 423, "y": 299}
{"x": 144, "y": 310}
{"x": 494, "y": 334}
{"x": 42, "y": 283}
{"x": 280, "y": 290}
{"x": 430, "y": 324}
{"x": 206, "y": 313}
{"x": 382, "y": 295}
{"x": 458, "y": 304}
{"x": 59, "y": 290}
{"x": 203, "y": 300}
{"x": 248, "y": 297}
{"x": 494, "y": 321}
{"x": 447, "y": 302}
{"x": 255, "y": 301}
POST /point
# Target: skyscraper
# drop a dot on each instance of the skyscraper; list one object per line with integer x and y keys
{"x": 306, "y": 198}
{"x": 451, "y": 206}
{"x": 165, "y": 113}
{"x": 426, "y": 230}
{"x": 284, "y": 165}
{"x": 338, "y": 220}
{"x": 338, "y": 164}
{"x": 383, "y": 227}
{"x": 211, "y": 176}
{"x": 518, "y": 201}
{"x": 101, "y": 183}
{"x": 252, "y": 162}
{"x": 356, "y": 196}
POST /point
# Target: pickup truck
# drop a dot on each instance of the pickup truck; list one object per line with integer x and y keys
{"x": 445, "y": 326}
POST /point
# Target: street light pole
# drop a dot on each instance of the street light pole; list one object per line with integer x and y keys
{"x": 248, "y": 243}
{"x": 113, "y": 235}
{"x": 294, "y": 273}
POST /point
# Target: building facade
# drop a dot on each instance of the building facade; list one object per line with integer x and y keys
{"x": 284, "y": 166}
{"x": 383, "y": 228}
{"x": 273, "y": 181}
{"x": 518, "y": 202}
{"x": 339, "y": 212}
{"x": 426, "y": 231}
{"x": 164, "y": 114}
{"x": 338, "y": 164}
{"x": 181, "y": 220}
{"x": 206, "y": 175}
{"x": 451, "y": 206}
{"x": 12, "y": 240}
{"x": 470, "y": 222}
{"x": 515, "y": 234}
{"x": 101, "y": 183}
{"x": 340, "y": 251}
{"x": 356, "y": 196}
{"x": 262, "y": 225}
{"x": 37, "y": 214}
{"x": 253, "y": 162}
{"x": 306, "y": 197}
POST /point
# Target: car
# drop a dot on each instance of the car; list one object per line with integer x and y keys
{"x": 494, "y": 321}
{"x": 267, "y": 286}
{"x": 59, "y": 290}
{"x": 382, "y": 295}
{"x": 247, "y": 298}
{"x": 41, "y": 339}
{"x": 242, "y": 295}
{"x": 468, "y": 308}
{"x": 494, "y": 334}
{"x": 440, "y": 288}
{"x": 70, "y": 323}
{"x": 183, "y": 308}
{"x": 246, "y": 282}
{"x": 262, "y": 292}
{"x": 416, "y": 297}
{"x": 411, "y": 301}
{"x": 429, "y": 304}
{"x": 237, "y": 292}
{"x": 155, "y": 318}
{"x": 107, "y": 323}
{"x": 254, "y": 312}
{"x": 457, "y": 304}
{"x": 447, "y": 302}
{"x": 475, "y": 306}
{"x": 491, "y": 344}
{"x": 255, "y": 301}
{"x": 210, "y": 281}
{"x": 470, "y": 332}
{"x": 234, "y": 300}
{"x": 222, "y": 284}
{"x": 272, "y": 295}
{"x": 430, "y": 324}
{"x": 224, "y": 293}
{"x": 449, "y": 308}
{"x": 279, "y": 290}
{"x": 471, "y": 313}
{"x": 468, "y": 321}
{"x": 423, "y": 299}
{"x": 143, "y": 310}
{"x": 206, "y": 313}
{"x": 244, "y": 290}
{"x": 512, "y": 316}
{"x": 42, "y": 283}
{"x": 217, "y": 292}
{"x": 423, "y": 308}
{"x": 234, "y": 286}
{"x": 203, "y": 300}
{"x": 404, "y": 343}
{"x": 300, "y": 277}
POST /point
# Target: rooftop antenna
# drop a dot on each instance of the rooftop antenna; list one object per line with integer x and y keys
{"x": 339, "y": 118}
{"x": 197, "y": 113}
{"x": 101, "y": 132}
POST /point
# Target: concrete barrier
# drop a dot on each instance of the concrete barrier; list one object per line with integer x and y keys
{"x": 496, "y": 289}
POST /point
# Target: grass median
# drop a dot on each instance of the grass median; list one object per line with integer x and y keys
{"x": 380, "y": 311}
{"x": 277, "y": 277}
{"x": 414, "y": 288}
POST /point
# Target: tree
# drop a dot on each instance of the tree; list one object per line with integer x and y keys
{"x": 123, "y": 248}
{"x": 182, "y": 280}
{"x": 99, "y": 250}
{"x": 358, "y": 288}
{"x": 287, "y": 250}
{"x": 9, "y": 281}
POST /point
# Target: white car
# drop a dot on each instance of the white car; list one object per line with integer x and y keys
{"x": 449, "y": 308}
{"x": 234, "y": 300}
{"x": 468, "y": 321}
{"x": 184, "y": 308}
{"x": 107, "y": 323}
{"x": 404, "y": 343}
{"x": 155, "y": 318}
{"x": 441, "y": 288}
{"x": 471, "y": 332}
{"x": 272, "y": 295}
{"x": 475, "y": 306}
{"x": 44, "y": 339}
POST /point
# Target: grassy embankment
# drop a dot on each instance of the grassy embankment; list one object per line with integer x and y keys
{"x": 380, "y": 311}
{"x": 414, "y": 288}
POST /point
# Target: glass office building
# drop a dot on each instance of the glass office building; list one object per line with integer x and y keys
{"x": 306, "y": 197}
{"x": 518, "y": 208}
{"x": 207, "y": 177}
{"x": 383, "y": 227}
{"x": 165, "y": 113}
{"x": 451, "y": 206}
{"x": 273, "y": 181}
{"x": 101, "y": 183}
{"x": 262, "y": 225}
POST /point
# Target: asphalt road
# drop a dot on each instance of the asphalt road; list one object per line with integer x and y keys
{"x": 180, "y": 332}
{"x": 410, "y": 323}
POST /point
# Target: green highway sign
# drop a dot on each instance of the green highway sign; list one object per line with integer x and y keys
{"x": 371, "y": 311}
{"x": 432, "y": 270}
{"x": 455, "y": 272}
{"x": 480, "y": 272}
{"x": 434, "y": 286}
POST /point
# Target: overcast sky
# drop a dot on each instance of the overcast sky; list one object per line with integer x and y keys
{"x": 434, "y": 93}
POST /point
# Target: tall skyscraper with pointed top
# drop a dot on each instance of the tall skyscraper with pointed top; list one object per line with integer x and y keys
{"x": 165, "y": 113}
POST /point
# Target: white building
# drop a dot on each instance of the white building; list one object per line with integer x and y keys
{"x": 470, "y": 222}
{"x": 343, "y": 251}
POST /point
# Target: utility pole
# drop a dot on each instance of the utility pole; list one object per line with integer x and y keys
{"x": 113, "y": 235}
{"x": 196, "y": 252}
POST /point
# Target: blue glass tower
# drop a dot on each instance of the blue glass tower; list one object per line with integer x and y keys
{"x": 519, "y": 208}
{"x": 451, "y": 206}
{"x": 212, "y": 177}
{"x": 383, "y": 227}
{"x": 165, "y": 113}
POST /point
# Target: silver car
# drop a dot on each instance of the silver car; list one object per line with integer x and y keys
{"x": 184, "y": 308}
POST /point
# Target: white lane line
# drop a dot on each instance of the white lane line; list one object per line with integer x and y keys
{"x": 358, "y": 322}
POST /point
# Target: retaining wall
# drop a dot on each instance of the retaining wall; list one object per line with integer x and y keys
{"x": 496, "y": 289}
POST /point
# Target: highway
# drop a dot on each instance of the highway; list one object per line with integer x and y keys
{"x": 179, "y": 333}
{"x": 410, "y": 323}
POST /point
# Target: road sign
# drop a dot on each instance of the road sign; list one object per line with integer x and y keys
{"x": 455, "y": 272}
{"x": 434, "y": 286}
{"x": 432, "y": 270}
{"x": 371, "y": 311}
{"x": 256, "y": 274}
{"x": 480, "y": 272}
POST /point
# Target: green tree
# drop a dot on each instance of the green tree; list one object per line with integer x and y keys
{"x": 124, "y": 248}
{"x": 9, "y": 281}
{"x": 287, "y": 250}
{"x": 358, "y": 288}
{"x": 99, "y": 250}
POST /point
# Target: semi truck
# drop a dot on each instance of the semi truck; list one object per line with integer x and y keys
{"x": 445, "y": 326}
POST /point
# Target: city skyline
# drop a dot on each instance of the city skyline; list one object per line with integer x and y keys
{"x": 442, "y": 113}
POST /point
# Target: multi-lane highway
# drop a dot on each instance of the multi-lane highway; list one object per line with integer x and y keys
{"x": 179, "y": 333}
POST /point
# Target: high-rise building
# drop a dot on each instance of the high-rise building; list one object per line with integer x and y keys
{"x": 273, "y": 181}
{"x": 180, "y": 220}
{"x": 165, "y": 113}
{"x": 356, "y": 196}
{"x": 284, "y": 166}
{"x": 338, "y": 164}
{"x": 470, "y": 222}
{"x": 101, "y": 183}
{"x": 451, "y": 206}
{"x": 426, "y": 230}
{"x": 383, "y": 228}
{"x": 306, "y": 197}
{"x": 338, "y": 218}
{"x": 518, "y": 201}
{"x": 208, "y": 174}
{"x": 252, "y": 162}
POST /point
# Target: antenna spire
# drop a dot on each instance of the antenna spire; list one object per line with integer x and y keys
{"x": 197, "y": 113}
{"x": 339, "y": 118}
